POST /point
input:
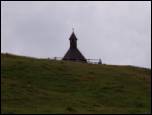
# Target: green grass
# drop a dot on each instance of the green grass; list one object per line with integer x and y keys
{"x": 31, "y": 85}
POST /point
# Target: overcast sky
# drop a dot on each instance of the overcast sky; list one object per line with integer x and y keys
{"x": 117, "y": 32}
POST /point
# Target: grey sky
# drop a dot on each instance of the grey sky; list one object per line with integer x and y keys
{"x": 117, "y": 32}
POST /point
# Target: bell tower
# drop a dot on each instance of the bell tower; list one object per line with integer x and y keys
{"x": 73, "y": 41}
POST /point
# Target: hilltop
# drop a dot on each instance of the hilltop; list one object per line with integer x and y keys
{"x": 30, "y": 85}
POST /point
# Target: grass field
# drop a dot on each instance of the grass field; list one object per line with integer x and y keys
{"x": 31, "y": 85}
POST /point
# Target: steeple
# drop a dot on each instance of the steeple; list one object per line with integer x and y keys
{"x": 73, "y": 40}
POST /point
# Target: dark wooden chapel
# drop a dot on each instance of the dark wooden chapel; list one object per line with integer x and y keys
{"x": 73, "y": 54}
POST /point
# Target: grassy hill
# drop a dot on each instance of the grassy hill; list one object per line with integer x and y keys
{"x": 31, "y": 85}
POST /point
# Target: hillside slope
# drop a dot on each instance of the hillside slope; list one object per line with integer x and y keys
{"x": 31, "y": 85}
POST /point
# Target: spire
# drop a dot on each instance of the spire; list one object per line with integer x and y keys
{"x": 73, "y": 36}
{"x": 73, "y": 40}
